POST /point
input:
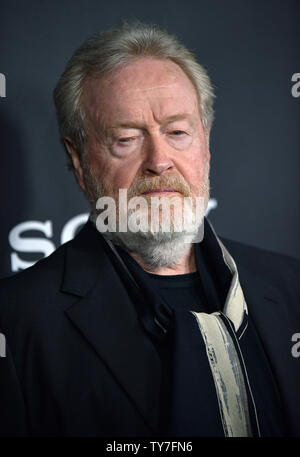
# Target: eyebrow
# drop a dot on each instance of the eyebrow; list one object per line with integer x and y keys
{"x": 165, "y": 120}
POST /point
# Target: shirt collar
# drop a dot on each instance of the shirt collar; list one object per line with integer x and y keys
{"x": 235, "y": 307}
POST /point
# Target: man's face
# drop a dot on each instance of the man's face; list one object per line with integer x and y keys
{"x": 144, "y": 132}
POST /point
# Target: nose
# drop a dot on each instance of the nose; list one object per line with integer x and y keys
{"x": 157, "y": 159}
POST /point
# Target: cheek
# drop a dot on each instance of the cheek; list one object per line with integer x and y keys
{"x": 122, "y": 177}
{"x": 113, "y": 174}
{"x": 196, "y": 164}
{"x": 194, "y": 170}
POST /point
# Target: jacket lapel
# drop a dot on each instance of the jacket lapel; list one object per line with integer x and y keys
{"x": 106, "y": 317}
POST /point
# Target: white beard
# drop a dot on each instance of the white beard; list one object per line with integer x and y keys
{"x": 160, "y": 249}
{"x": 156, "y": 248}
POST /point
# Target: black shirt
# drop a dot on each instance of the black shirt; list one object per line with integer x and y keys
{"x": 183, "y": 291}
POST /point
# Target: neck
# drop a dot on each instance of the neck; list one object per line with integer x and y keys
{"x": 186, "y": 265}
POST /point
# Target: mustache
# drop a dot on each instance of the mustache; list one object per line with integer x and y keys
{"x": 167, "y": 182}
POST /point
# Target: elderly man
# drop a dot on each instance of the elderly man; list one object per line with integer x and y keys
{"x": 137, "y": 327}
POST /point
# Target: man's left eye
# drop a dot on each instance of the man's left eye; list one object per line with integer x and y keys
{"x": 177, "y": 132}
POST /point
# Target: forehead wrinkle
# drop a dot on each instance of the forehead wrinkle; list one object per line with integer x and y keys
{"x": 146, "y": 89}
{"x": 161, "y": 92}
{"x": 165, "y": 120}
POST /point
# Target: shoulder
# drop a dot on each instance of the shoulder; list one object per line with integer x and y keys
{"x": 40, "y": 290}
{"x": 42, "y": 275}
{"x": 270, "y": 266}
{"x": 252, "y": 254}
{"x": 32, "y": 292}
{"x": 47, "y": 274}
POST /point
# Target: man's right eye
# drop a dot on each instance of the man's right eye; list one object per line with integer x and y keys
{"x": 125, "y": 144}
{"x": 125, "y": 140}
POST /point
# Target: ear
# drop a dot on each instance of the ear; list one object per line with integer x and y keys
{"x": 75, "y": 157}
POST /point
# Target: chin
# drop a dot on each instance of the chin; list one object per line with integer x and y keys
{"x": 156, "y": 250}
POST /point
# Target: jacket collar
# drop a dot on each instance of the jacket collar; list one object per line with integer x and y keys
{"x": 106, "y": 317}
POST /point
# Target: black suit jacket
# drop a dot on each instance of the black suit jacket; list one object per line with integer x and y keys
{"x": 81, "y": 362}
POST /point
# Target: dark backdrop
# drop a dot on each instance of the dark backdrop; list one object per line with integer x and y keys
{"x": 251, "y": 50}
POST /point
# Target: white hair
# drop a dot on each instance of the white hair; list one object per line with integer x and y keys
{"x": 103, "y": 53}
